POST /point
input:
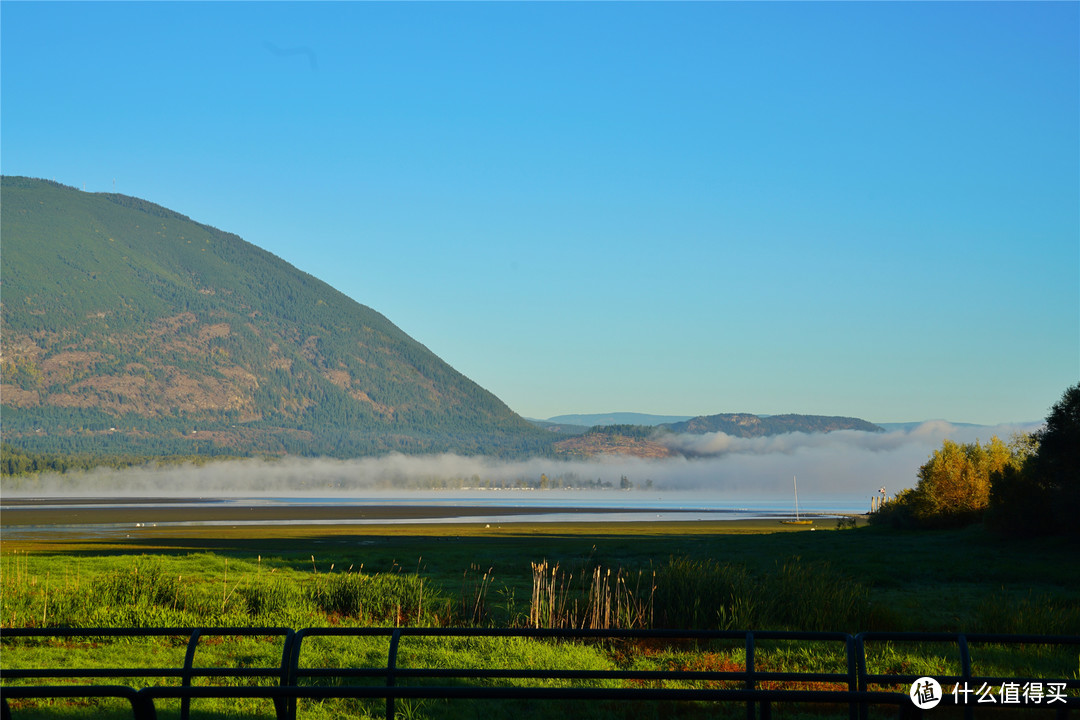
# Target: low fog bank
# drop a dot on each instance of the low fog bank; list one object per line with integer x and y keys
{"x": 927, "y": 435}
{"x": 714, "y": 465}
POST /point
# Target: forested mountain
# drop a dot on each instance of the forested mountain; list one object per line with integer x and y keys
{"x": 735, "y": 424}
{"x": 747, "y": 425}
{"x": 655, "y": 441}
{"x": 128, "y": 327}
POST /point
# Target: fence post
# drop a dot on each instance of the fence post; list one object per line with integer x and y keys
{"x": 750, "y": 673}
{"x": 860, "y": 660}
{"x": 965, "y": 670}
{"x": 142, "y": 706}
{"x": 293, "y": 678}
{"x": 853, "y": 675}
{"x": 391, "y": 666}
{"x": 189, "y": 663}
{"x": 281, "y": 704}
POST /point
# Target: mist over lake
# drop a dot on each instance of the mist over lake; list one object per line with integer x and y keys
{"x": 836, "y": 471}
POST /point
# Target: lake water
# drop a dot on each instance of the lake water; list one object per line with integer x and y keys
{"x": 105, "y": 515}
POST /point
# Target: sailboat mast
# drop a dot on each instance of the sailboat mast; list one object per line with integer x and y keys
{"x": 795, "y": 482}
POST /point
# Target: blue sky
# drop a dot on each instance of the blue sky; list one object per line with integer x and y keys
{"x": 867, "y": 209}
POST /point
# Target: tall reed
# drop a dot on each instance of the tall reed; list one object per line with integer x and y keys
{"x": 548, "y": 606}
{"x": 607, "y": 601}
{"x": 473, "y": 608}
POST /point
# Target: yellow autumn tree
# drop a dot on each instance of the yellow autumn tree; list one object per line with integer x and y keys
{"x": 954, "y": 484}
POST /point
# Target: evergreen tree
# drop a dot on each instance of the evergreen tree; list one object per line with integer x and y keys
{"x": 1041, "y": 494}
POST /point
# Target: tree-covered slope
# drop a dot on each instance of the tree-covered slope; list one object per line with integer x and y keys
{"x": 128, "y": 327}
{"x": 747, "y": 425}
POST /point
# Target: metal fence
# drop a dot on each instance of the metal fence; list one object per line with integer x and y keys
{"x": 853, "y": 689}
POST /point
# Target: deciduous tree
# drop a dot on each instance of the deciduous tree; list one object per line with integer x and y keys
{"x": 954, "y": 484}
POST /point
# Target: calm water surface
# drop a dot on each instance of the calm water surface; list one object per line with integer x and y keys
{"x": 100, "y": 515}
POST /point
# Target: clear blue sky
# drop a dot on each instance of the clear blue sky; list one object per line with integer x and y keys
{"x": 867, "y": 209}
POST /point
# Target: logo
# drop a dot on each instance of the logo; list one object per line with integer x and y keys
{"x": 925, "y": 693}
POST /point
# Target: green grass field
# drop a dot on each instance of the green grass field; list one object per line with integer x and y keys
{"x": 955, "y": 580}
{"x": 722, "y": 575}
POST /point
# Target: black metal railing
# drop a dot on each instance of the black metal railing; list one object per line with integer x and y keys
{"x": 853, "y": 687}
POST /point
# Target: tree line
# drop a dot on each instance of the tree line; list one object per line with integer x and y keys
{"x": 15, "y": 461}
{"x": 1029, "y": 486}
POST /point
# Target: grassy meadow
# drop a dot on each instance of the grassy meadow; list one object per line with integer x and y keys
{"x": 722, "y": 575}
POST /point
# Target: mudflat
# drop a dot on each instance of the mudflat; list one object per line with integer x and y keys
{"x": 151, "y": 522}
{"x": 87, "y": 512}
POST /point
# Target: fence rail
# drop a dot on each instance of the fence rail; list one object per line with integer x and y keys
{"x": 855, "y": 689}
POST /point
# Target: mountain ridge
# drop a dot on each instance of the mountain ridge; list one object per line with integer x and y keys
{"x": 749, "y": 425}
{"x": 130, "y": 327}
{"x": 654, "y": 442}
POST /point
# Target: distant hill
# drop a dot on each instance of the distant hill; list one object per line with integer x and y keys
{"x": 595, "y": 443}
{"x": 560, "y": 428}
{"x": 747, "y": 425}
{"x": 128, "y": 327}
{"x": 616, "y": 418}
{"x": 905, "y": 426}
{"x": 649, "y": 441}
